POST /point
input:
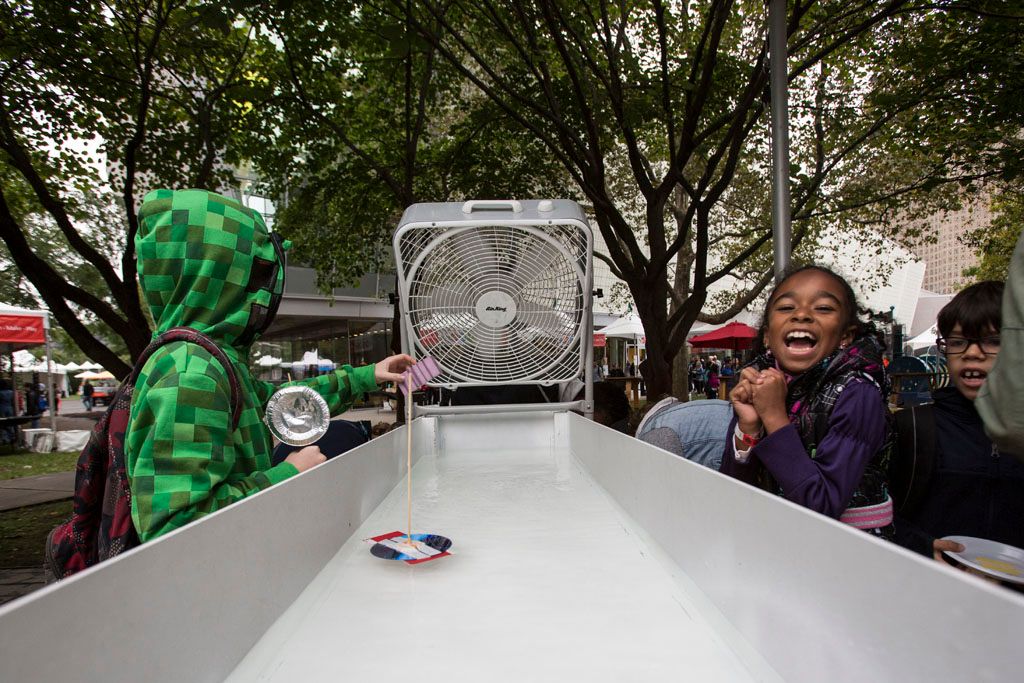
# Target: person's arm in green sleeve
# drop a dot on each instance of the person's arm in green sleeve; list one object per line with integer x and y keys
{"x": 1001, "y": 399}
{"x": 179, "y": 451}
{"x": 341, "y": 387}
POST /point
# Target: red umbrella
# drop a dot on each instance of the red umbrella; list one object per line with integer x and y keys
{"x": 734, "y": 336}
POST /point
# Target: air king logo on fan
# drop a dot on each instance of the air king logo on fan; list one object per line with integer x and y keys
{"x": 496, "y": 309}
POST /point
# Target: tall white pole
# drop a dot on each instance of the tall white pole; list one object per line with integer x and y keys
{"x": 779, "y": 79}
{"x": 49, "y": 384}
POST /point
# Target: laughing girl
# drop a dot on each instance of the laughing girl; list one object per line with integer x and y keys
{"x": 811, "y": 421}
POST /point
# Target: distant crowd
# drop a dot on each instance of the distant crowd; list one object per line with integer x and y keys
{"x": 33, "y": 401}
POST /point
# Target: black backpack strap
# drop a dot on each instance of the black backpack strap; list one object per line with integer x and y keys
{"x": 911, "y": 469}
{"x": 187, "y": 334}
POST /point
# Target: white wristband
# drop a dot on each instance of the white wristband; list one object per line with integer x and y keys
{"x": 742, "y": 456}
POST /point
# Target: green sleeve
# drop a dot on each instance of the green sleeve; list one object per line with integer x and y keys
{"x": 181, "y": 460}
{"x": 339, "y": 388}
{"x": 1001, "y": 399}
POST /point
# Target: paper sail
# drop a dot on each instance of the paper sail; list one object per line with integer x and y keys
{"x": 396, "y": 546}
{"x": 425, "y": 370}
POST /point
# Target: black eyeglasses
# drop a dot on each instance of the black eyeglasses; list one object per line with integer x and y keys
{"x": 952, "y": 346}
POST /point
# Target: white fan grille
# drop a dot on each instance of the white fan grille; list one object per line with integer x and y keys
{"x": 497, "y": 303}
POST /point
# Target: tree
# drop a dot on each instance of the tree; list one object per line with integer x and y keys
{"x": 127, "y": 95}
{"x": 366, "y": 120}
{"x": 972, "y": 52}
{"x": 994, "y": 243}
{"x": 676, "y": 94}
{"x": 97, "y": 210}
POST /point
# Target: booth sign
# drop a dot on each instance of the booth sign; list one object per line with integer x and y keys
{"x": 22, "y": 329}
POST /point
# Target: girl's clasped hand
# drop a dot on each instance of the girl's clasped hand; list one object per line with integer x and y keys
{"x": 759, "y": 400}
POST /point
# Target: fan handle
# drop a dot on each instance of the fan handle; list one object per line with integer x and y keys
{"x": 492, "y": 205}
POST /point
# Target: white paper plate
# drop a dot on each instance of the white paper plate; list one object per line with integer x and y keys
{"x": 297, "y": 415}
{"x": 998, "y": 560}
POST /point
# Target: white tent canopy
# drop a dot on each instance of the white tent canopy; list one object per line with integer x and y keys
{"x": 703, "y": 328}
{"x": 924, "y": 340}
{"x": 24, "y": 359}
{"x": 628, "y": 327}
{"x": 90, "y": 375}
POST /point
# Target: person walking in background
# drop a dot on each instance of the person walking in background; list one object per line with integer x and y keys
{"x": 714, "y": 381}
{"x": 87, "y": 391}
{"x": 55, "y": 408}
{"x": 32, "y": 407}
{"x": 7, "y": 435}
{"x": 694, "y": 373}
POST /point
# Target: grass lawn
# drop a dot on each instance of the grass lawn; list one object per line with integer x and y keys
{"x": 22, "y": 464}
{"x": 23, "y": 532}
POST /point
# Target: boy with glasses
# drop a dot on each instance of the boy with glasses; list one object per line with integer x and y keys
{"x": 973, "y": 489}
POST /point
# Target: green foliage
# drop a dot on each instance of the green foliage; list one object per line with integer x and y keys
{"x": 23, "y": 533}
{"x": 17, "y": 465}
{"x": 958, "y": 74}
{"x": 994, "y": 244}
{"x": 655, "y": 115}
{"x": 367, "y": 119}
{"x": 659, "y": 113}
{"x": 100, "y": 103}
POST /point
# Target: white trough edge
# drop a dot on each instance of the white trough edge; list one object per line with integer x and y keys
{"x": 818, "y": 600}
{"x": 188, "y": 606}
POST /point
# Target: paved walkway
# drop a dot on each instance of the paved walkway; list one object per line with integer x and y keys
{"x": 15, "y": 583}
{"x": 16, "y": 493}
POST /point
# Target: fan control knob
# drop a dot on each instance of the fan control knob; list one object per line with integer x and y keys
{"x": 545, "y": 205}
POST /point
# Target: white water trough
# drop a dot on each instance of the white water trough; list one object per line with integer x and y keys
{"x": 579, "y": 554}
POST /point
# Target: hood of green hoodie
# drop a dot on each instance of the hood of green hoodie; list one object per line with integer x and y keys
{"x": 207, "y": 262}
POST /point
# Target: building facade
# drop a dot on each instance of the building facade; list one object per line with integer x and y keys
{"x": 947, "y": 257}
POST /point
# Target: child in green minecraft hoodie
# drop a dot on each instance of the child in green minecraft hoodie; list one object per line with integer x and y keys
{"x": 209, "y": 263}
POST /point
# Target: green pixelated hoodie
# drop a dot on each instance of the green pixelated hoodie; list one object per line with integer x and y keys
{"x": 209, "y": 263}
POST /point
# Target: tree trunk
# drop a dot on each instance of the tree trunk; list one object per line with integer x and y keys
{"x": 92, "y": 347}
{"x": 681, "y": 374}
{"x": 657, "y": 371}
